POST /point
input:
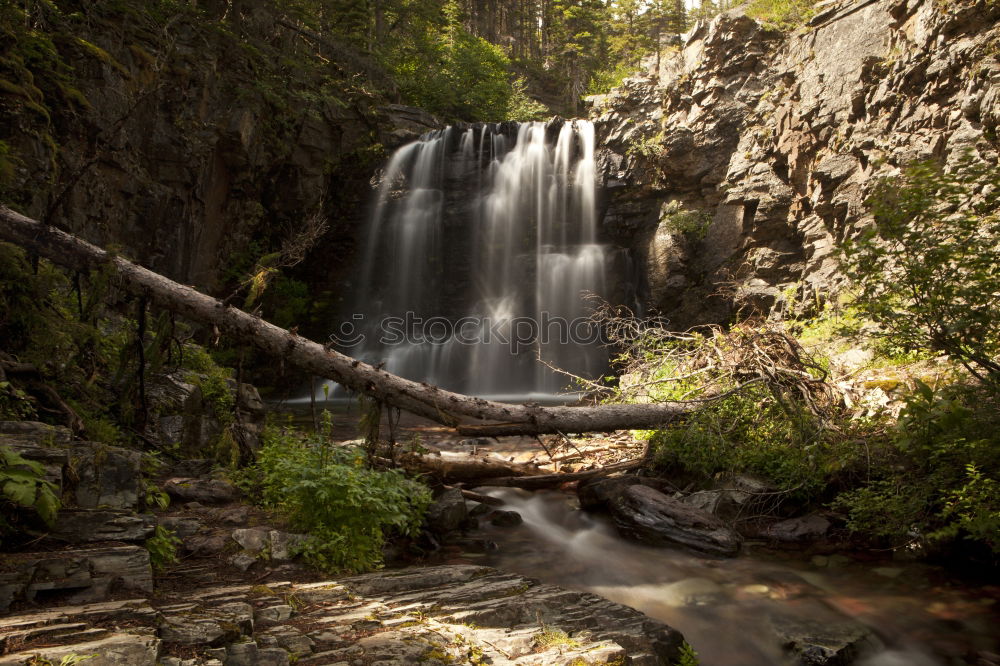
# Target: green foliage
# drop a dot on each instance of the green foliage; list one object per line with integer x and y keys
{"x": 162, "y": 547}
{"x": 928, "y": 272}
{"x": 784, "y": 15}
{"x": 212, "y": 379}
{"x": 521, "y": 107}
{"x": 688, "y": 656}
{"x": 693, "y": 224}
{"x": 15, "y": 404}
{"x": 550, "y": 637}
{"x": 943, "y": 479}
{"x": 756, "y": 431}
{"x": 326, "y": 490}
{"x": 288, "y": 302}
{"x": 23, "y": 486}
{"x": 451, "y": 72}
{"x": 650, "y": 147}
{"x": 604, "y": 80}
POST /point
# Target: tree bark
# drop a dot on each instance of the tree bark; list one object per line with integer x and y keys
{"x": 465, "y": 414}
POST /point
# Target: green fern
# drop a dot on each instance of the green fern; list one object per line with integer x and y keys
{"x": 23, "y": 486}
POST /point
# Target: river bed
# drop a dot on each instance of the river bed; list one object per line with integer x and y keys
{"x": 733, "y": 611}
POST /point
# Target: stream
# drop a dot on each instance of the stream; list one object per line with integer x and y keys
{"x": 733, "y": 611}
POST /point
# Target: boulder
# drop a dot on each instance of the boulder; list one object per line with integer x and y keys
{"x": 794, "y": 530}
{"x": 598, "y": 493}
{"x": 447, "y": 512}
{"x": 505, "y": 518}
{"x": 649, "y": 516}
{"x": 815, "y": 643}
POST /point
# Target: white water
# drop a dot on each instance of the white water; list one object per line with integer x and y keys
{"x": 725, "y": 607}
{"x": 495, "y": 222}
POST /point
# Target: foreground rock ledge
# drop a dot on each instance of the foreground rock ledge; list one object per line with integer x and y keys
{"x": 435, "y": 615}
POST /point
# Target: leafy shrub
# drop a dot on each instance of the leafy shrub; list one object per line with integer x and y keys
{"x": 23, "y": 486}
{"x": 693, "y": 224}
{"x": 212, "y": 379}
{"x": 162, "y": 547}
{"x": 944, "y": 479}
{"x": 326, "y": 490}
{"x": 755, "y": 431}
{"x": 928, "y": 272}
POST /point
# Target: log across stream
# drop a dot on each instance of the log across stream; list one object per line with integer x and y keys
{"x": 744, "y": 611}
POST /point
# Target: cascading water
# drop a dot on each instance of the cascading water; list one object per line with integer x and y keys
{"x": 481, "y": 247}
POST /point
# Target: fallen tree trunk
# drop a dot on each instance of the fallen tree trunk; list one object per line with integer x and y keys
{"x": 467, "y": 415}
{"x": 543, "y": 481}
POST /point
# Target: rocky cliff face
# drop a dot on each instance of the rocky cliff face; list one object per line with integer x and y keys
{"x": 736, "y": 166}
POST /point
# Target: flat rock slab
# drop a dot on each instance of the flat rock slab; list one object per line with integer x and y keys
{"x": 205, "y": 491}
{"x": 118, "y": 649}
{"x": 504, "y": 617}
{"x": 432, "y": 615}
{"x": 74, "y": 575}
{"x": 647, "y": 515}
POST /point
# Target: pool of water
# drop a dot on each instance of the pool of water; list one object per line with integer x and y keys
{"x": 732, "y": 610}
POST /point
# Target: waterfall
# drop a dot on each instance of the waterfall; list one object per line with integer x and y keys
{"x": 482, "y": 243}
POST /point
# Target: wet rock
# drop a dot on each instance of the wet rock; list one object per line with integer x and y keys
{"x": 203, "y": 491}
{"x": 505, "y": 518}
{"x": 598, "y": 494}
{"x": 649, "y": 516}
{"x": 806, "y": 528}
{"x": 824, "y": 644}
{"x": 86, "y": 526}
{"x": 479, "y": 509}
{"x": 691, "y": 592}
{"x": 447, "y": 512}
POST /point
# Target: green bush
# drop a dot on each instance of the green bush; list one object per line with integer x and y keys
{"x": 326, "y": 490}
{"x": 755, "y": 431}
{"x": 928, "y": 271}
{"x": 944, "y": 479}
{"x": 162, "y": 547}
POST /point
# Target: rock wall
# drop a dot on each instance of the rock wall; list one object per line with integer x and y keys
{"x": 193, "y": 141}
{"x": 736, "y": 165}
